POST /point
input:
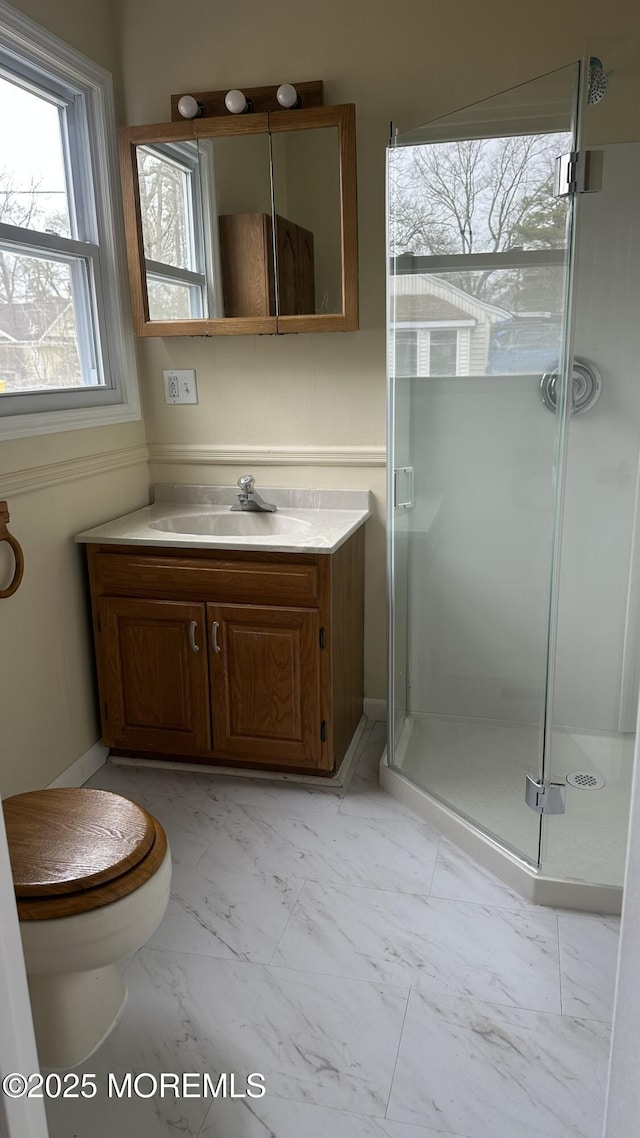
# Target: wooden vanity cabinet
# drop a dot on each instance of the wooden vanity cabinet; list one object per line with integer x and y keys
{"x": 246, "y": 261}
{"x": 242, "y": 659}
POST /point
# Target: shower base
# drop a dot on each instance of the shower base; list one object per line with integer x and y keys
{"x": 467, "y": 776}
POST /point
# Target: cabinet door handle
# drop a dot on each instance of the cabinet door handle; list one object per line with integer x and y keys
{"x": 214, "y": 636}
{"x": 192, "y": 636}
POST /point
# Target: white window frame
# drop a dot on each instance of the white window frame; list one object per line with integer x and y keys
{"x": 40, "y": 58}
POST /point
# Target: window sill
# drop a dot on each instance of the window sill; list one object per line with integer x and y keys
{"x": 50, "y": 422}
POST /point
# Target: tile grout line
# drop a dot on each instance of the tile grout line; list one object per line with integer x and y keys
{"x": 217, "y": 826}
{"x": 288, "y": 922}
{"x": 395, "y": 1065}
{"x": 204, "y": 1120}
{"x": 538, "y": 911}
{"x": 560, "y": 966}
{"x": 428, "y": 992}
{"x": 403, "y": 987}
{"x": 149, "y": 948}
{"x": 435, "y": 866}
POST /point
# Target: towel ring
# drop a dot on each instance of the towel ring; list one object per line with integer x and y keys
{"x": 17, "y": 553}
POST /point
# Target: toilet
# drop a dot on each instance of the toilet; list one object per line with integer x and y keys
{"x": 91, "y": 872}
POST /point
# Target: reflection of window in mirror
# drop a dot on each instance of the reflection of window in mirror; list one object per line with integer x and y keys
{"x": 206, "y": 223}
{"x": 306, "y": 166}
{"x": 171, "y": 206}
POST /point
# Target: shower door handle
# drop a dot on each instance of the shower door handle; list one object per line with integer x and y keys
{"x": 403, "y": 483}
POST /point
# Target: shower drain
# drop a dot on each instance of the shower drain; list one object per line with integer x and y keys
{"x": 584, "y": 780}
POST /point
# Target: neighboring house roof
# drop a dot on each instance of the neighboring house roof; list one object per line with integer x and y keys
{"x": 31, "y": 321}
{"x": 425, "y": 308}
{"x": 426, "y": 297}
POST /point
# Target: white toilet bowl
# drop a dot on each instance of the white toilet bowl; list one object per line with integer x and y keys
{"x": 77, "y": 993}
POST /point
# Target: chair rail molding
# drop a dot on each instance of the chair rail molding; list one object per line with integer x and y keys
{"x": 239, "y": 455}
{"x": 71, "y": 469}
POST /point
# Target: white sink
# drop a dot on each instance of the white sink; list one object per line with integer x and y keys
{"x": 200, "y": 517}
{"x": 242, "y": 524}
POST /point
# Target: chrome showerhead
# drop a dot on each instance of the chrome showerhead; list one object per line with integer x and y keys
{"x": 598, "y": 82}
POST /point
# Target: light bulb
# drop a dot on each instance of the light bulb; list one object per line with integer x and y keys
{"x": 189, "y": 108}
{"x": 287, "y": 96}
{"x": 236, "y": 102}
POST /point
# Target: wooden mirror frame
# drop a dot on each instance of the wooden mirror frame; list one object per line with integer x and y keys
{"x": 312, "y": 118}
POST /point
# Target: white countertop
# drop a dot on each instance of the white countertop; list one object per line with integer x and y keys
{"x": 315, "y": 521}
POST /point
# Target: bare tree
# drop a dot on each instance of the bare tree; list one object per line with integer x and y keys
{"x": 37, "y": 322}
{"x": 480, "y": 195}
{"x": 162, "y": 204}
{"x": 24, "y": 277}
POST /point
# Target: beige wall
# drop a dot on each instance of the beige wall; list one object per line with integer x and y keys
{"x": 410, "y": 62}
{"x": 54, "y": 487}
{"x": 88, "y": 25}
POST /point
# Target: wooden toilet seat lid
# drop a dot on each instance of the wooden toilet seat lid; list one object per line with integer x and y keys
{"x": 68, "y": 839}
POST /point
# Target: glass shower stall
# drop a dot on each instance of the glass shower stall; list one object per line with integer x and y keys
{"x": 514, "y": 447}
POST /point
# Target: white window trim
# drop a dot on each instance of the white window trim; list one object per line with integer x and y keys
{"x": 29, "y": 42}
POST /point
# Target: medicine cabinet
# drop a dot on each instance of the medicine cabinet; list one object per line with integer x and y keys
{"x": 243, "y": 224}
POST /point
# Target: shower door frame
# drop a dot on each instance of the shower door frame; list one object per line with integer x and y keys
{"x": 563, "y": 411}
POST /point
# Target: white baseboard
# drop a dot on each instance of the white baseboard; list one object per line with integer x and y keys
{"x": 82, "y": 768}
{"x": 375, "y": 709}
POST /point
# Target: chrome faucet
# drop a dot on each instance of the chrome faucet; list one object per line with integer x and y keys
{"x": 249, "y": 499}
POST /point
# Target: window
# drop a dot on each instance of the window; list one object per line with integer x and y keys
{"x": 443, "y": 351}
{"x": 426, "y": 351}
{"x": 66, "y": 358}
{"x": 406, "y": 349}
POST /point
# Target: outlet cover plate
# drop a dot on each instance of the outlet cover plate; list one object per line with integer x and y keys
{"x": 180, "y": 386}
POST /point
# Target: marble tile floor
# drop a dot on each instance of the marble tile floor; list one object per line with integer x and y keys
{"x": 384, "y": 984}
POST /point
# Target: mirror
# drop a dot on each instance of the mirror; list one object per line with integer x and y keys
{"x": 205, "y": 209}
{"x": 308, "y": 238}
{"x": 244, "y": 224}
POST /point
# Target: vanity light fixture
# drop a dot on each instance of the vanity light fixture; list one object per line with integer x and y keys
{"x": 237, "y": 103}
{"x": 288, "y": 97}
{"x": 190, "y": 108}
{"x": 307, "y": 93}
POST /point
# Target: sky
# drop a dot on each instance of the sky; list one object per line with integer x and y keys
{"x": 30, "y": 145}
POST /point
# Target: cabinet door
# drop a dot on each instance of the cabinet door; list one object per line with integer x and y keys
{"x": 296, "y": 287}
{"x": 265, "y": 684}
{"x": 154, "y": 675}
{"x": 246, "y": 258}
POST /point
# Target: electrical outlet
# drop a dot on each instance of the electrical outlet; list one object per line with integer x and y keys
{"x": 180, "y": 386}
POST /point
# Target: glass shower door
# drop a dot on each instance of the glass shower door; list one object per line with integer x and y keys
{"x": 479, "y": 265}
{"x": 590, "y": 735}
